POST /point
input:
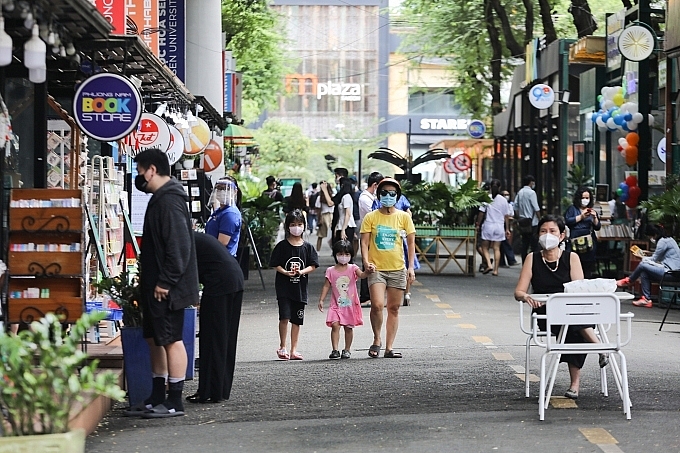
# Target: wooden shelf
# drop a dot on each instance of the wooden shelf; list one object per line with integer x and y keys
{"x": 46, "y": 264}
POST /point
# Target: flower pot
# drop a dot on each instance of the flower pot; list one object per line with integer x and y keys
{"x": 70, "y": 442}
{"x": 137, "y": 364}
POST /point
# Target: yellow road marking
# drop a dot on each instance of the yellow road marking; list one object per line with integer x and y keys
{"x": 482, "y": 339}
{"x": 560, "y": 402}
{"x": 416, "y": 283}
{"x": 503, "y": 356}
{"x": 532, "y": 378}
{"x": 467, "y": 326}
{"x": 423, "y": 290}
{"x": 598, "y": 436}
{"x": 453, "y": 315}
{"x": 442, "y": 305}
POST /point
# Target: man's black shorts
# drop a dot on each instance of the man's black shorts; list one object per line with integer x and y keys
{"x": 293, "y": 310}
{"x": 165, "y": 326}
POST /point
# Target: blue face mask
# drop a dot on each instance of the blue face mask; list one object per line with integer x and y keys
{"x": 388, "y": 201}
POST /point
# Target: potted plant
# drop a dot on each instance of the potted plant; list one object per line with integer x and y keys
{"x": 664, "y": 208}
{"x": 45, "y": 373}
{"x": 261, "y": 215}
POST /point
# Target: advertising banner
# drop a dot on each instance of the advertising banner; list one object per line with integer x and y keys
{"x": 107, "y": 107}
{"x": 114, "y": 12}
{"x": 172, "y": 36}
{"x": 153, "y": 132}
{"x": 144, "y": 13}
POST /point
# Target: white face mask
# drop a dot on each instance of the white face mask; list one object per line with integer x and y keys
{"x": 343, "y": 259}
{"x": 548, "y": 241}
{"x": 507, "y": 197}
{"x": 296, "y": 230}
{"x": 585, "y": 202}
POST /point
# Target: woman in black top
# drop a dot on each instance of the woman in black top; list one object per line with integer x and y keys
{"x": 547, "y": 271}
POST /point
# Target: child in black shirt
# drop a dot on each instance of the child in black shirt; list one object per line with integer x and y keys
{"x": 293, "y": 259}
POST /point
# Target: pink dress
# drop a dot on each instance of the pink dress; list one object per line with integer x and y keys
{"x": 345, "y": 307}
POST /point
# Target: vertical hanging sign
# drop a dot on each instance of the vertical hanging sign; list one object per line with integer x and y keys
{"x": 114, "y": 12}
{"x": 172, "y": 36}
{"x": 144, "y": 13}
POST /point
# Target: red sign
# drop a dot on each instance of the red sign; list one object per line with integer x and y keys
{"x": 449, "y": 167}
{"x": 462, "y": 162}
{"x": 114, "y": 12}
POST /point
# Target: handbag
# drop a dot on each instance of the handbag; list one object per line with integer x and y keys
{"x": 582, "y": 244}
{"x": 525, "y": 225}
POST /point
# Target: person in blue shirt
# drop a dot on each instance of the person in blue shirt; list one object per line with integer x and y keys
{"x": 666, "y": 257}
{"x": 225, "y": 221}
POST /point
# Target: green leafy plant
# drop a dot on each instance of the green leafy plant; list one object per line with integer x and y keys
{"x": 443, "y": 205}
{"x": 126, "y": 292}
{"x": 45, "y": 373}
{"x": 576, "y": 177}
{"x": 664, "y": 208}
{"x": 261, "y": 214}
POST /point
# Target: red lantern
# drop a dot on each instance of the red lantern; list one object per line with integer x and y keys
{"x": 633, "y": 138}
{"x": 634, "y": 191}
{"x": 631, "y": 180}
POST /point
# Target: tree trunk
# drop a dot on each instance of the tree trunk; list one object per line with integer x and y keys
{"x": 583, "y": 19}
{"x": 546, "y": 20}
{"x": 496, "y": 58}
{"x": 528, "y": 21}
{"x": 510, "y": 42}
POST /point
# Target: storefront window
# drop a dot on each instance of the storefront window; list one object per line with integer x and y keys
{"x": 433, "y": 100}
{"x": 20, "y": 97}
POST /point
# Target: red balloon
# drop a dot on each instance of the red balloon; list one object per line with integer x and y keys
{"x": 631, "y": 181}
{"x": 634, "y": 192}
{"x": 620, "y": 148}
{"x": 632, "y": 202}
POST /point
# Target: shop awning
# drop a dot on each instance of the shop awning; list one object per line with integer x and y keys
{"x": 475, "y": 146}
{"x": 210, "y": 114}
{"x": 235, "y": 135}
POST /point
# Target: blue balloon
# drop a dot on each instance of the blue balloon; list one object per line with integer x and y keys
{"x": 624, "y": 197}
{"x": 595, "y": 117}
{"x": 618, "y": 119}
{"x": 605, "y": 117}
{"x": 624, "y": 126}
{"x": 622, "y": 185}
{"x": 628, "y": 117}
{"x": 611, "y": 109}
{"x": 626, "y": 189}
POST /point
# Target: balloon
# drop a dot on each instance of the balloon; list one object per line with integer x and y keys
{"x": 594, "y": 117}
{"x": 600, "y": 122}
{"x": 623, "y": 153}
{"x": 618, "y": 99}
{"x": 628, "y": 117}
{"x": 618, "y": 119}
{"x": 619, "y": 148}
{"x": 632, "y": 125}
{"x": 631, "y": 203}
{"x": 631, "y": 181}
{"x": 623, "y": 186}
{"x": 603, "y": 90}
{"x": 611, "y": 124}
{"x": 605, "y": 117}
{"x": 624, "y": 197}
{"x": 637, "y": 117}
{"x": 632, "y": 107}
{"x": 619, "y": 192}
{"x": 651, "y": 120}
{"x": 623, "y": 142}
{"x": 634, "y": 192}
{"x": 632, "y": 138}
{"x": 608, "y": 104}
{"x": 603, "y": 128}
{"x": 599, "y": 97}
{"x": 624, "y": 126}
{"x": 631, "y": 155}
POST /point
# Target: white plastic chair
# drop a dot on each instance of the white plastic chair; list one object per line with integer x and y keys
{"x": 564, "y": 309}
{"x": 530, "y": 337}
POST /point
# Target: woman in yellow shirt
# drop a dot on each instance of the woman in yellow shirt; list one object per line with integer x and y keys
{"x": 383, "y": 256}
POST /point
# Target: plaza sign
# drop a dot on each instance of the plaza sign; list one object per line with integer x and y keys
{"x": 107, "y": 107}
{"x": 350, "y": 92}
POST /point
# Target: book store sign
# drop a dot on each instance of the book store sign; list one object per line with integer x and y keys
{"x": 107, "y": 107}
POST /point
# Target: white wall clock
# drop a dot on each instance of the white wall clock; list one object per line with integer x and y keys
{"x": 636, "y": 43}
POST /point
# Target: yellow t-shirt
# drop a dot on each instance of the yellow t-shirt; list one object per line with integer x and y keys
{"x": 386, "y": 249}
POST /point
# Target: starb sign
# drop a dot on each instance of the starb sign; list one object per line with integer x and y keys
{"x": 107, "y": 107}
{"x": 444, "y": 124}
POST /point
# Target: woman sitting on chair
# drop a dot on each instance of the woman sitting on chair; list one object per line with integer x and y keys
{"x": 666, "y": 257}
{"x": 547, "y": 271}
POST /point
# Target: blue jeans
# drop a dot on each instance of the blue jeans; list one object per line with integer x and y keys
{"x": 647, "y": 273}
{"x": 508, "y": 253}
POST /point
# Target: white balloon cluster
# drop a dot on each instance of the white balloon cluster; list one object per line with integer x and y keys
{"x": 616, "y": 114}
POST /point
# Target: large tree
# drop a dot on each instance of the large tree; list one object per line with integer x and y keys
{"x": 253, "y": 34}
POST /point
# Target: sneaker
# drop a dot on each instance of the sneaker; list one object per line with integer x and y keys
{"x": 335, "y": 354}
{"x": 604, "y": 360}
{"x": 643, "y": 302}
{"x": 571, "y": 394}
{"x": 623, "y": 282}
{"x": 345, "y": 354}
{"x": 407, "y": 300}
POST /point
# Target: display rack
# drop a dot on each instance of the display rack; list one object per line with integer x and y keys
{"x": 45, "y": 257}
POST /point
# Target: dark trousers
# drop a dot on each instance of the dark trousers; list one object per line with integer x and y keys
{"x": 529, "y": 240}
{"x": 350, "y": 235}
{"x": 220, "y": 317}
{"x": 507, "y": 253}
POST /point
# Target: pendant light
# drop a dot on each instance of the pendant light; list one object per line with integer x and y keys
{"x": 35, "y": 51}
{"x": 37, "y": 75}
{"x": 5, "y": 45}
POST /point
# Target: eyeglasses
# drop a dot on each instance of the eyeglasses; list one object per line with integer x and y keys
{"x": 391, "y": 193}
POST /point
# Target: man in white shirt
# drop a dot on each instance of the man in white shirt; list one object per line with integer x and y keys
{"x": 366, "y": 200}
{"x": 528, "y": 213}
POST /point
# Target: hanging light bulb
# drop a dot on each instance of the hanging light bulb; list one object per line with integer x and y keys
{"x": 34, "y": 51}
{"x": 70, "y": 49}
{"x": 5, "y": 45}
{"x": 62, "y": 51}
{"x": 9, "y": 6}
{"x": 38, "y": 75}
{"x": 50, "y": 38}
{"x": 29, "y": 22}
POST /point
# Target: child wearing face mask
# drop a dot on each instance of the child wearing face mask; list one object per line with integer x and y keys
{"x": 294, "y": 258}
{"x": 345, "y": 309}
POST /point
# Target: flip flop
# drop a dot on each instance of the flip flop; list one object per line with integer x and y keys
{"x": 374, "y": 351}
{"x": 161, "y": 411}
{"x": 283, "y": 354}
{"x": 296, "y": 356}
{"x": 137, "y": 410}
{"x": 487, "y": 270}
{"x": 392, "y": 355}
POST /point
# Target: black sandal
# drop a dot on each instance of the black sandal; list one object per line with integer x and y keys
{"x": 374, "y": 351}
{"x": 392, "y": 355}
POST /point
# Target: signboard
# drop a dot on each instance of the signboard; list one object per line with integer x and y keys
{"x": 107, "y": 107}
{"x": 462, "y": 162}
{"x": 615, "y": 24}
{"x": 114, "y": 12}
{"x": 176, "y": 147}
{"x": 346, "y": 91}
{"x": 144, "y": 13}
{"x": 661, "y": 150}
{"x": 476, "y": 129}
{"x": 233, "y": 88}
{"x": 602, "y": 192}
{"x": 449, "y": 167}
{"x": 448, "y": 124}
{"x": 153, "y": 132}
{"x": 172, "y": 35}
{"x": 541, "y": 96}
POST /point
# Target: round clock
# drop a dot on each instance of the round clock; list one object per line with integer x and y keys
{"x": 636, "y": 43}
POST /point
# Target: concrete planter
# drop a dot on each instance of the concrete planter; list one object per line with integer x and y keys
{"x": 70, "y": 442}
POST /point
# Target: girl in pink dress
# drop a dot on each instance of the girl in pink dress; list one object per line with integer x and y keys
{"x": 345, "y": 309}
